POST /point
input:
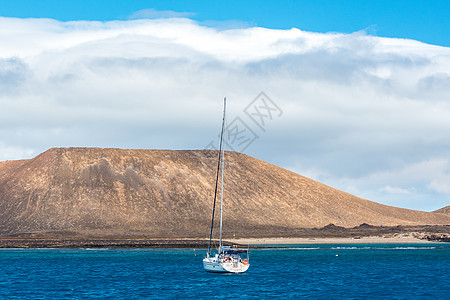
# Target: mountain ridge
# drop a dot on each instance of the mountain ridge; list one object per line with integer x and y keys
{"x": 443, "y": 210}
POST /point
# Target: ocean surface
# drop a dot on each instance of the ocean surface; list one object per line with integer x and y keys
{"x": 386, "y": 271}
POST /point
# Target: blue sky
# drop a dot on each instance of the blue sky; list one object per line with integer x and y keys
{"x": 426, "y": 21}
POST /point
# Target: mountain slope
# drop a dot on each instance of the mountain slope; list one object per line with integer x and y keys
{"x": 170, "y": 193}
{"x": 444, "y": 210}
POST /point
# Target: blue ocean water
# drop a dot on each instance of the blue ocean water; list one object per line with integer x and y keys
{"x": 413, "y": 271}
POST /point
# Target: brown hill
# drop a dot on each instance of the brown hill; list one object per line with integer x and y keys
{"x": 162, "y": 193}
{"x": 444, "y": 210}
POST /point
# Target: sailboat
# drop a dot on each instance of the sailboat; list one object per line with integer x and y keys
{"x": 227, "y": 259}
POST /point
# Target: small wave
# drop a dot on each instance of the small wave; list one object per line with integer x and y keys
{"x": 410, "y": 248}
{"x": 350, "y": 248}
{"x": 383, "y": 248}
{"x": 9, "y": 249}
{"x": 95, "y": 249}
{"x": 286, "y": 248}
{"x": 303, "y": 248}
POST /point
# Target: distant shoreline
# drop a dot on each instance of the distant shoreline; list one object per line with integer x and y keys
{"x": 35, "y": 243}
{"x": 330, "y": 234}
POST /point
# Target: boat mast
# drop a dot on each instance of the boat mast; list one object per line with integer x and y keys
{"x": 221, "y": 187}
{"x": 217, "y": 180}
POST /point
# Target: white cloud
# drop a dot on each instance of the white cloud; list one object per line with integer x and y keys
{"x": 421, "y": 185}
{"x": 362, "y": 113}
{"x": 7, "y": 152}
{"x": 395, "y": 190}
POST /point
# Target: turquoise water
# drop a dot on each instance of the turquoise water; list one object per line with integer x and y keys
{"x": 413, "y": 271}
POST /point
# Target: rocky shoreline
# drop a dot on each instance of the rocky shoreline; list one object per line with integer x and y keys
{"x": 100, "y": 243}
{"x": 444, "y": 238}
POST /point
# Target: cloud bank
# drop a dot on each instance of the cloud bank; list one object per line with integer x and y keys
{"x": 365, "y": 114}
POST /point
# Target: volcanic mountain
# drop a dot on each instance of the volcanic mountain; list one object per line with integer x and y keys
{"x": 163, "y": 193}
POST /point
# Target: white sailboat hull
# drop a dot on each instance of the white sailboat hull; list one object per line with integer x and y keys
{"x": 213, "y": 266}
{"x": 216, "y": 266}
{"x": 235, "y": 268}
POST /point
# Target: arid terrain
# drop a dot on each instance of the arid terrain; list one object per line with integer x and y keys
{"x": 89, "y": 193}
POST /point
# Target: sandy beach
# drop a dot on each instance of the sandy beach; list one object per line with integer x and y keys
{"x": 407, "y": 239}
